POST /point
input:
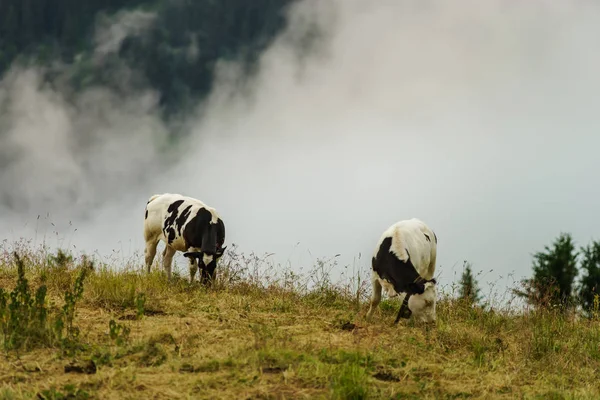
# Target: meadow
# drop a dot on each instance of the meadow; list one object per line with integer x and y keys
{"x": 77, "y": 329}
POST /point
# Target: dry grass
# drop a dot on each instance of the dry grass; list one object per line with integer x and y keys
{"x": 253, "y": 338}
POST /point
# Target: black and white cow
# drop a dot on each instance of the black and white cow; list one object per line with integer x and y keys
{"x": 187, "y": 225}
{"x": 404, "y": 262}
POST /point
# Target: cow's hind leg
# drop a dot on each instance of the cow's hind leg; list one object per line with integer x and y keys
{"x": 150, "y": 253}
{"x": 168, "y": 254}
{"x": 375, "y": 296}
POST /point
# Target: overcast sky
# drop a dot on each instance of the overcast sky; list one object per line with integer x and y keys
{"x": 480, "y": 118}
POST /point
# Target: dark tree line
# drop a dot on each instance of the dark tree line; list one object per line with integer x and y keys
{"x": 47, "y": 30}
{"x": 469, "y": 288}
{"x": 555, "y": 271}
{"x": 589, "y": 290}
{"x": 218, "y": 30}
{"x": 554, "y": 282}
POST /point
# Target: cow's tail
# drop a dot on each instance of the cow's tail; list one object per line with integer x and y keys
{"x": 146, "y": 208}
{"x": 152, "y": 198}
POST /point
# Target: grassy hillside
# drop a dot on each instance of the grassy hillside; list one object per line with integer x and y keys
{"x": 138, "y": 336}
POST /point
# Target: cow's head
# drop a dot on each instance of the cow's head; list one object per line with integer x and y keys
{"x": 422, "y": 303}
{"x": 207, "y": 262}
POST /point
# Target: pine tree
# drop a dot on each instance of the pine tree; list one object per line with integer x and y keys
{"x": 590, "y": 282}
{"x": 469, "y": 288}
{"x": 554, "y": 272}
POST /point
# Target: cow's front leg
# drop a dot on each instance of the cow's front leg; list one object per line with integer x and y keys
{"x": 403, "y": 311}
{"x": 193, "y": 269}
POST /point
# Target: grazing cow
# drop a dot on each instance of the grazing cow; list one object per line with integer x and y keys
{"x": 187, "y": 225}
{"x": 404, "y": 262}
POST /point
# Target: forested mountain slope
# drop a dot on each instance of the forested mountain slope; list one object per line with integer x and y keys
{"x": 176, "y": 54}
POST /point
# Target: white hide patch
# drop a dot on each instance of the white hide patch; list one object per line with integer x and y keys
{"x": 388, "y": 288}
{"x": 214, "y": 214}
{"x": 423, "y": 305}
{"x": 206, "y": 259}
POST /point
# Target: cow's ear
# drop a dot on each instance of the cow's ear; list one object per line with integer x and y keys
{"x": 416, "y": 288}
{"x": 192, "y": 254}
{"x": 220, "y": 251}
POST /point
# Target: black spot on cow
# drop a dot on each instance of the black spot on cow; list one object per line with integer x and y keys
{"x": 199, "y": 232}
{"x": 146, "y": 217}
{"x": 170, "y": 231}
{"x": 401, "y": 274}
{"x": 174, "y": 206}
{"x": 182, "y": 218}
{"x": 197, "y": 228}
{"x": 168, "y": 226}
{"x": 427, "y": 237}
{"x": 172, "y": 210}
{"x": 220, "y": 233}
